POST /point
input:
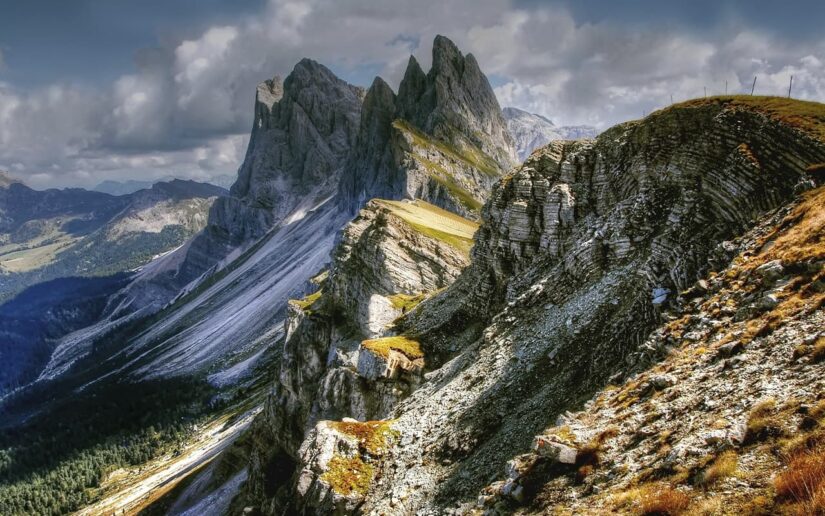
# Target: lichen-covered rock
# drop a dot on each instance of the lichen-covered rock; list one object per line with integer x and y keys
{"x": 558, "y": 300}
{"x": 389, "y": 257}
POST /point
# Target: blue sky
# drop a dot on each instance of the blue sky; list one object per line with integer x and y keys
{"x": 115, "y": 89}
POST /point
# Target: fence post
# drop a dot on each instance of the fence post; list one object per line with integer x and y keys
{"x": 790, "y": 86}
{"x": 754, "y": 85}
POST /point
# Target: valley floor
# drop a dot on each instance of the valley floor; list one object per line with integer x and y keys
{"x": 129, "y": 491}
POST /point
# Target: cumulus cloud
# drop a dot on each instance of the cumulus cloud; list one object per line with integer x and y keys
{"x": 186, "y": 107}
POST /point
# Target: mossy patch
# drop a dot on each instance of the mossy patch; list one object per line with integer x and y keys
{"x": 373, "y": 436}
{"x": 406, "y": 302}
{"x": 307, "y": 302}
{"x": 405, "y": 345}
{"x": 348, "y": 475}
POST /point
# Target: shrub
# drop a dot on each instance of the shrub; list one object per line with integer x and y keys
{"x": 662, "y": 500}
{"x": 724, "y": 466}
{"x": 803, "y": 481}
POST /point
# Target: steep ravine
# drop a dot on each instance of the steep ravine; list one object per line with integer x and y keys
{"x": 579, "y": 258}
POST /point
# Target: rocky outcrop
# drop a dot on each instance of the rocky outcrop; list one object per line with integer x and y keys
{"x": 442, "y": 138}
{"x": 736, "y": 379}
{"x": 531, "y": 131}
{"x": 383, "y": 260}
{"x": 335, "y": 362}
{"x": 303, "y": 130}
{"x": 579, "y": 259}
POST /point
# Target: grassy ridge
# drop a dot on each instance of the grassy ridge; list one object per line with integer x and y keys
{"x": 807, "y": 116}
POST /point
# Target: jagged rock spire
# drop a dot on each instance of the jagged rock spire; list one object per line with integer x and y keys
{"x": 442, "y": 138}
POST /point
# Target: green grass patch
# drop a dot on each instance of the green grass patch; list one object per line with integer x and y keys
{"x": 406, "y": 302}
{"x": 435, "y": 223}
{"x": 409, "y": 347}
{"x": 307, "y": 302}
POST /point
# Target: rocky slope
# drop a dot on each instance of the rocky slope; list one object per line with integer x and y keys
{"x": 578, "y": 262}
{"x": 224, "y": 293}
{"x": 531, "y": 131}
{"x": 731, "y": 411}
{"x": 441, "y": 138}
{"x": 335, "y": 362}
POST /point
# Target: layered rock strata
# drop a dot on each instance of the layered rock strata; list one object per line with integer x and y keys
{"x": 579, "y": 259}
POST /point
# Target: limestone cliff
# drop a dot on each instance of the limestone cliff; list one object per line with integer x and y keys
{"x": 340, "y": 357}
{"x": 442, "y": 138}
{"x": 578, "y": 262}
{"x": 303, "y": 130}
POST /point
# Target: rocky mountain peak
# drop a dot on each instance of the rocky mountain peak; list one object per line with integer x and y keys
{"x": 445, "y": 140}
{"x": 531, "y": 131}
{"x": 270, "y": 91}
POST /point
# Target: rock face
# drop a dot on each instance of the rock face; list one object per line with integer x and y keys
{"x": 303, "y": 129}
{"x": 531, "y": 131}
{"x": 442, "y": 138}
{"x": 389, "y": 258}
{"x": 578, "y": 261}
{"x": 733, "y": 381}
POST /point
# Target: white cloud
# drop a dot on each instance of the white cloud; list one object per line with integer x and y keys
{"x": 187, "y": 107}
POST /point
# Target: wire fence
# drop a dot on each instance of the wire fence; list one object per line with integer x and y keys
{"x": 745, "y": 91}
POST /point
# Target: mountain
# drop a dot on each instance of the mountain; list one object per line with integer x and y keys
{"x": 112, "y": 187}
{"x": 74, "y": 232}
{"x": 441, "y": 139}
{"x": 220, "y": 299}
{"x": 531, "y": 131}
{"x": 56, "y": 241}
{"x": 387, "y": 317}
{"x": 678, "y": 238}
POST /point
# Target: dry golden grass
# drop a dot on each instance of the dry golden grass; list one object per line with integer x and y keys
{"x": 802, "y": 483}
{"x": 762, "y": 422}
{"x": 818, "y": 352}
{"x": 724, "y": 466}
{"x": 588, "y": 457}
{"x": 373, "y": 436}
{"x": 405, "y": 345}
{"x": 654, "y": 499}
{"x": 801, "y": 235}
{"x": 348, "y": 475}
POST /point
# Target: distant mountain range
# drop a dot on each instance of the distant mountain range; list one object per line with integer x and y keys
{"x": 48, "y": 234}
{"x": 66, "y": 251}
{"x": 531, "y": 131}
{"x": 133, "y": 185}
